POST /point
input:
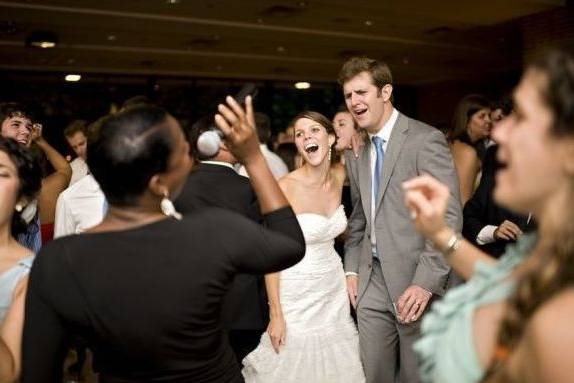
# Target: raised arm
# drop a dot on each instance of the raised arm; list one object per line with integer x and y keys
{"x": 56, "y": 182}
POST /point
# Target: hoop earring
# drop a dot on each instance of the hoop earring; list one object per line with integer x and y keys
{"x": 168, "y": 209}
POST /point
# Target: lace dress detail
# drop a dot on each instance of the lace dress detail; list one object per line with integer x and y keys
{"x": 322, "y": 343}
{"x": 446, "y": 348}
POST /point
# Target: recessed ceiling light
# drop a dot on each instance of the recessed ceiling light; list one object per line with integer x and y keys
{"x": 73, "y": 77}
{"x": 71, "y": 61}
{"x": 302, "y": 85}
{"x": 280, "y": 49}
{"x": 172, "y": 1}
{"x": 405, "y": 60}
{"x": 368, "y": 23}
{"x": 260, "y": 21}
{"x": 111, "y": 37}
{"x": 42, "y": 39}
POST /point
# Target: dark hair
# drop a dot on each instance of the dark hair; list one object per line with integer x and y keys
{"x": 75, "y": 127}
{"x": 465, "y": 109}
{"x": 379, "y": 71}
{"x": 556, "y": 268}
{"x": 263, "y": 126}
{"x": 320, "y": 119}
{"x": 505, "y": 104}
{"x": 29, "y": 175}
{"x": 193, "y": 132}
{"x": 138, "y": 100}
{"x": 287, "y": 151}
{"x": 130, "y": 147}
{"x": 9, "y": 109}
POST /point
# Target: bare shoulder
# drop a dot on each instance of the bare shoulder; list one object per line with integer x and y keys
{"x": 550, "y": 337}
{"x": 554, "y": 318}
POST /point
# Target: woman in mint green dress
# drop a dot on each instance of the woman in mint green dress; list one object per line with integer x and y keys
{"x": 512, "y": 320}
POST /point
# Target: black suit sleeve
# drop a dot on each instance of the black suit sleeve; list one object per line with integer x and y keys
{"x": 255, "y": 248}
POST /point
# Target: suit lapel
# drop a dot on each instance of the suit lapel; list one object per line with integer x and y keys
{"x": 396, "y": 141}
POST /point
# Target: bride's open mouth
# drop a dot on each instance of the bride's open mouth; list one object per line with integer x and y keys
{"x": 311, "y": 148}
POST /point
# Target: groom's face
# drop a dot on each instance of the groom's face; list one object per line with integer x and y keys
{"x": 365, "y": 101}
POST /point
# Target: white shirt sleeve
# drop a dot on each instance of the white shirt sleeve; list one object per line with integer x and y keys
{"x": 486, "y": 235}
{"x": 64, "y": 220}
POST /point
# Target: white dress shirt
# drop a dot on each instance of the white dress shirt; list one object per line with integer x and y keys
{"x": 275, "y": 163}
{"x": 79, "y": 207}
{"x": 385, "y": 134}
{"x": 79, "y": 169}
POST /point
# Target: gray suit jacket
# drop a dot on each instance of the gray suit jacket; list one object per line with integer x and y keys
{"x": 414, "y": 148}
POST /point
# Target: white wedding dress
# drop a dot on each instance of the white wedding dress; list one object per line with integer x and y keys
{"x": 322, "y": 343}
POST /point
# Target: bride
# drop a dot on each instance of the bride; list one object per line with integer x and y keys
{"x": 311, "y": 336}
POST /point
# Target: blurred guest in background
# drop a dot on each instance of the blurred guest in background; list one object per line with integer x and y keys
{"x": 75, "y": 134}
{"x": 276, "y": 164}
{"x": 17, "y": 123}
{"x": 83, "y": 204}
{"x": 486, "y": 224}
{"x": 471, "y": 128}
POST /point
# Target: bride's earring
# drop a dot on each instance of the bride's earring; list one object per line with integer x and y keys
{"x": 329, "y": 155}
{"x": 168, "y": 209}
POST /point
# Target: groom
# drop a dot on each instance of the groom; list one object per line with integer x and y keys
{"x": 392, "y": 273}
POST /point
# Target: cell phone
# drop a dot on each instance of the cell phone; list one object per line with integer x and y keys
{"x": 249, "y": 89}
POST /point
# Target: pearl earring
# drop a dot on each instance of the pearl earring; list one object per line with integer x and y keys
{"x": 168, "y": 209}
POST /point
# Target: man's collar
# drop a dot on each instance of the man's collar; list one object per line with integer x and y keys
{"x": 385, "y": 131}
{"x": 220, "y": 163}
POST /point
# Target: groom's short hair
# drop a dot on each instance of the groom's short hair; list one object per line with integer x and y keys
{"x": 379, "y": 71}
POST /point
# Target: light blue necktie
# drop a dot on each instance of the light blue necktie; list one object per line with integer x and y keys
{"x": 378, "y": 142}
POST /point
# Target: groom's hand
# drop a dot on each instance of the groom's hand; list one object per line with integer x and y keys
{"x": 412, "y": 303}
{"x": 352, "y": 288}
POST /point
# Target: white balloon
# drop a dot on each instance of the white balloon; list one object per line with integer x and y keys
{"x": 208, "y": 142}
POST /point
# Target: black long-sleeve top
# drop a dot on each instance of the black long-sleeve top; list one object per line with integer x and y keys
{"x": 148, "y": 299}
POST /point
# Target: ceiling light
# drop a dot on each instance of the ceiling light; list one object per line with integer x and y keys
{"x": 42, "y": 39}
{"x": 302, "y": 85}
{"x": 73, "y": 77}
{"x": 111, "y": 37}
{"x": 172, "y": 1}
{"x": 368, "y": 23}
{"x": 280, "y": 49}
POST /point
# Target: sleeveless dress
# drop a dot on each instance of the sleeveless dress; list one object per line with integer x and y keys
{"x": 322, "y": 342}
{"x": 9, "y": 280}
{"x": 446, "y": 348}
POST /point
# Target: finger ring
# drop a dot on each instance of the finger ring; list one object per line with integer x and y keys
{"x": 414, "y": 317}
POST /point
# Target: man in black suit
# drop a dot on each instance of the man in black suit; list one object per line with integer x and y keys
{"x": 215, "y": 183}
{"x": 486, "y": 224}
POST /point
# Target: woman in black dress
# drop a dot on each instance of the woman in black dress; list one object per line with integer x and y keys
{"x": 145, "y": 289}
